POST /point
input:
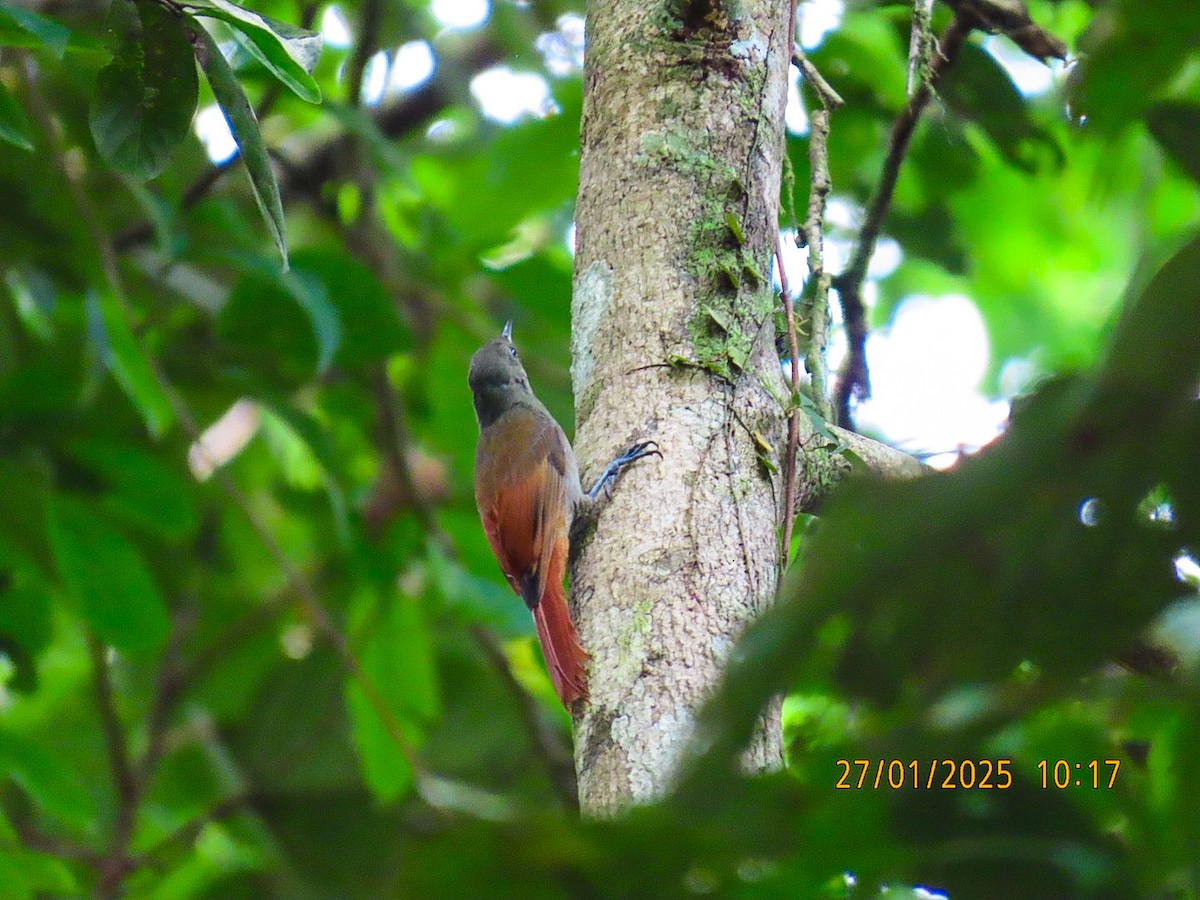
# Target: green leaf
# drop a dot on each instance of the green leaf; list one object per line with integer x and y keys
{"x": 398, "y": 661}
{"x": 1155, "y": 351}
{"x": 26, "y": 627}
{"x": 34, "y": 296}
{"x": 25, "y": 487}
{"x": 350, "y": 315}
{"x": 468, "y": 597}
{"x": 146, "y": 96}
{"x": 14, "y": 126}
{"x": 49, "y": 34}
{"x": 289, "y": 52}
{"x": 291, "y": 312}
{"x": 30, "y": 873}
{"x": 310, "y": 293}
{"x": 41, "y": 775}
{"x": 869, "y": 60}
{"x": 308, "y": 454}
{"x": 124, "y": 358}
{"x": 161, "y": 214}
{"x": 141, "y": 489}
{"x": 244, "y": 125}
{"x": 1176, "y": 127}
{"x": 107, "y": 577}
{"x": 366, "y": 327}
{"x": 981, "y": 91}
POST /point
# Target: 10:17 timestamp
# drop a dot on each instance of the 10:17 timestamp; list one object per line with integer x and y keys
{"x": 1062, "y": 774}
{"x": 967, "y": 774}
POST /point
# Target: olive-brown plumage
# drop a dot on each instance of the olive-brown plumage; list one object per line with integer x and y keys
{"x": 527, "y": 490}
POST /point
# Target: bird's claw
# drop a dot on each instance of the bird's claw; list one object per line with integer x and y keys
{"x": 613, "y": 469}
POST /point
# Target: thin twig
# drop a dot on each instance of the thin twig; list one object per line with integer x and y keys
{"x": 394, "y": 445}
{"x": 110, "y": 721}
{"x": 36, "y": 839}
{"x": 829, "y": 98}
{"x": 921, "y": 46}
{"x": 793, "y": 410}
{"x": 793, "y": 424}
{"x": 167, "y": 689}
{"x": 547, "y": 743}
{"x": 115, "y": 863}
{"x": 816, "y": 299}
{"x": 184, "y": 836}
{"x": 816, "y": 293}
{"x": 370, "y": 18}
{"x": 854, "y": 381}
{"x": 246, "y": 626}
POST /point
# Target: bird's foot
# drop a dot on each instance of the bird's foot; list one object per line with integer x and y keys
{"x": 609, "y": 476}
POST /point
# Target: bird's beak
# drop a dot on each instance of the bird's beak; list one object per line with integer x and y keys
{"x": 507, "y": 332}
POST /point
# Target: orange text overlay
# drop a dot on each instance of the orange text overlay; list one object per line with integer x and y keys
{"x": 971, "y": 774}
{"x": 927, "y": 774}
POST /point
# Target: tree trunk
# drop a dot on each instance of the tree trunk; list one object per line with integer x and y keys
{"x": 673, "y": 339}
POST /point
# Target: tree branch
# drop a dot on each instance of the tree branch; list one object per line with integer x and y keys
{"x": 305, "y": 174}
{"x": 1012, "y": 20}
{"x": 184, "y": 836}
{"x": 547, "y": 743}
{"x": 815, "y": 298}
{"x": 167, "y": 688}
{"x": 115, "y": 863}
{"x": 370, "y": 18}
{"x": 855, "y": 381}
{"x": 811, "y": 234}
{"x": 793, "y": 421}
{"x": 829, "y": 98}
{"x": 36, "y": 839}
{"x": 818, "y": 478}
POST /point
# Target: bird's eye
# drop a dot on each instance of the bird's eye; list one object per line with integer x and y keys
{"x": 512, "y": 350}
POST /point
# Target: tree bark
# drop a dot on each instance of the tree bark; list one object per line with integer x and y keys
{"x": 674, "y": 340}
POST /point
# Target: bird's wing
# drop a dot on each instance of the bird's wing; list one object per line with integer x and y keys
{"x": 526, "y": 490}
{"x": 525, "y": 511}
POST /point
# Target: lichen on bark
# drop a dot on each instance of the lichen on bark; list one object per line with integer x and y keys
{"x": 674, "y": 341}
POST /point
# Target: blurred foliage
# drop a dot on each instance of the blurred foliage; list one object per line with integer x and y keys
{"x": 318, "y": 682}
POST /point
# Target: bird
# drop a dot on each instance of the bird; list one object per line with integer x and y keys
{"x": 528, "y": 492}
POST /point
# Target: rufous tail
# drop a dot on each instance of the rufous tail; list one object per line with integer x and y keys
{"x": 565, "y": 659}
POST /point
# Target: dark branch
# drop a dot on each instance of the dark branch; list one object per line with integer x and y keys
{"x": 1011, "y": 19}
{"x": 115, "y": 863}
{"x": 167, "y": 689}
{"x": 854, "y": 381}
{"x": 36, "y": 839}
{"x": 547, "y": 743}
{"x": 184, "y": 836}
{"x": 370, "y": 18}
